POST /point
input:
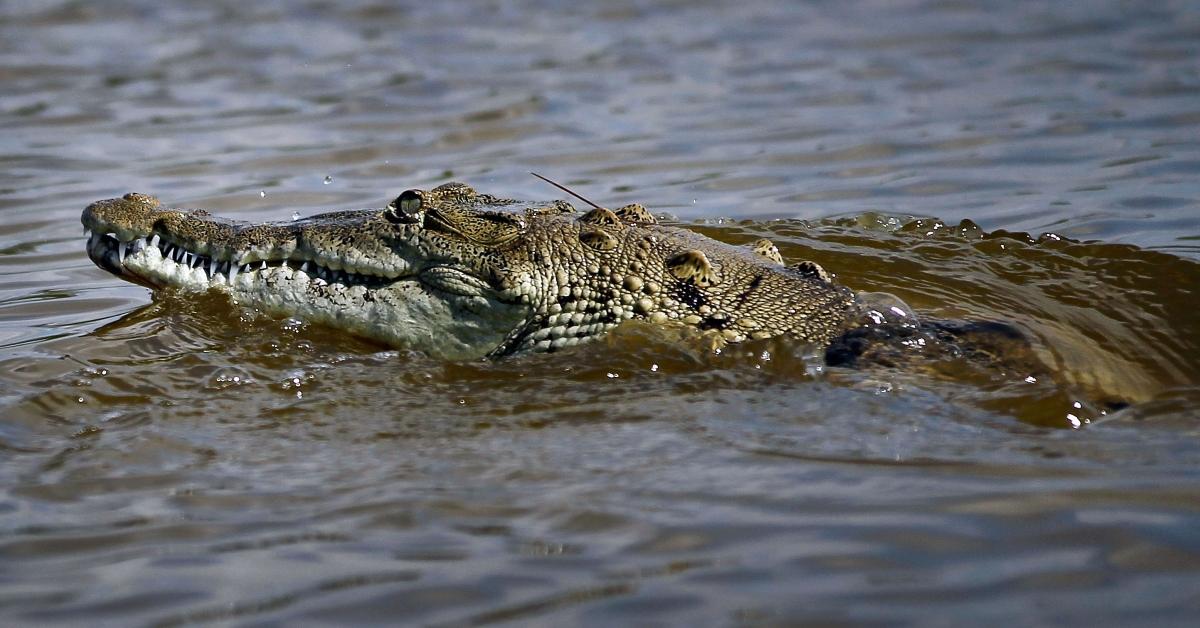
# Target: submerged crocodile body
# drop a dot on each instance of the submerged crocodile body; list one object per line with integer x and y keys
{"x": 458, "y": 274}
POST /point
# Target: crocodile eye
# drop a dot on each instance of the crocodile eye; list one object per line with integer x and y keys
{"x": 406, "y": 209}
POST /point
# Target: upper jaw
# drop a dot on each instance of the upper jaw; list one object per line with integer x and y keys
{"x": 119, "y": 229}
{"x": 134, "y": 238}
{"x": 159, "y": 262}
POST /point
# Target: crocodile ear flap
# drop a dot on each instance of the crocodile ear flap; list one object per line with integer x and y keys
{"x": 693, "y": 267}
{"x": 635, "y": 214}
{"x": 766, "y": 249}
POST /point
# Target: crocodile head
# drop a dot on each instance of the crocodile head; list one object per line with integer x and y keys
{"x": 459, "y": 274}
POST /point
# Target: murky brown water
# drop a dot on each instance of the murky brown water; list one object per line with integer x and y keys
{"x": 192, "y": 463}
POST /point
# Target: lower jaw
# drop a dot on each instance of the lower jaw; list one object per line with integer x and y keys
{"x": 149, "y": 268}
{"x": 402, "y": 313}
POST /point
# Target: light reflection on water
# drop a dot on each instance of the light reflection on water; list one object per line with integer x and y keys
{"x": 180, "y": 461}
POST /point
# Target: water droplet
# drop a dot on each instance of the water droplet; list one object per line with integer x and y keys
{"x": 295, "y": 215}
{"x": 328, "y": 179}
{"x": 262, "y": 194}
{"x": 653, "y": 368}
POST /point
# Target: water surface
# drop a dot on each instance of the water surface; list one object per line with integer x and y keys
{"x": 174, "y": 460}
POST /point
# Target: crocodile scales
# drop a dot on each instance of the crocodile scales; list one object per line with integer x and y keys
{"x": 460, "y": 274}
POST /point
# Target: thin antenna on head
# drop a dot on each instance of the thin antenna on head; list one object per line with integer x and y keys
{"x": 565, "y": 189}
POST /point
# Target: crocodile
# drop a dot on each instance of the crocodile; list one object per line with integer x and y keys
{"x": 460, "y": 274}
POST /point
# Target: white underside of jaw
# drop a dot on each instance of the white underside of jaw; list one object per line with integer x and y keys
{"x": 404, "y": 313}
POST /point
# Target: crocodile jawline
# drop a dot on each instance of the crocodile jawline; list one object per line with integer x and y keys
{"x": 175, "y": 259}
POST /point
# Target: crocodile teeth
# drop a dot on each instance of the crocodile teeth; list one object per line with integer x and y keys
{"x": 133, "y": 248}
{"x": 233, "y": 272}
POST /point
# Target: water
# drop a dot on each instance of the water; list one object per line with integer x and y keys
{"x": 176, "y": 460}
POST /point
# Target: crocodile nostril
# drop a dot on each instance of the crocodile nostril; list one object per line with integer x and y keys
{"x": 407, "y": 208}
